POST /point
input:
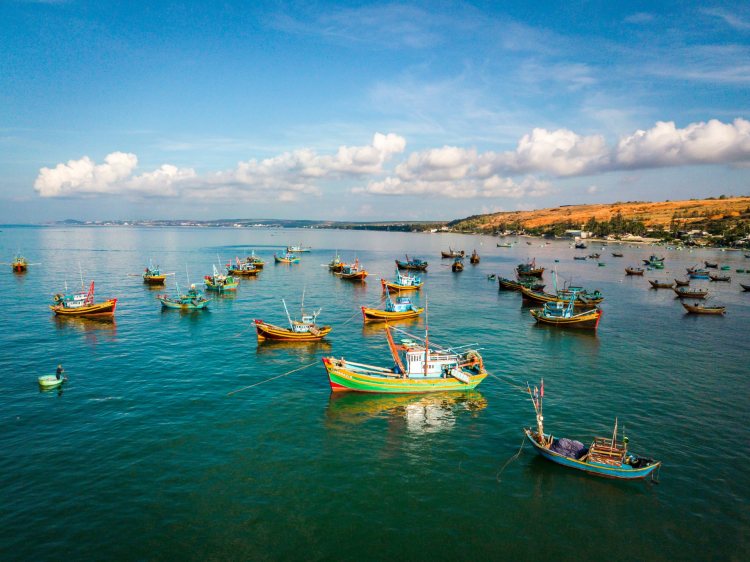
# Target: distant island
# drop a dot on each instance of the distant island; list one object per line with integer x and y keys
{"x": 716, "y": 221}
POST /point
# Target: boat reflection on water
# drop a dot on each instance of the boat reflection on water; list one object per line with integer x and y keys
{"x": 303, "y": 349}
{"x": 376, "y": 328}
{"x": 421, "y": 413}
{"x": 92, "y": 328}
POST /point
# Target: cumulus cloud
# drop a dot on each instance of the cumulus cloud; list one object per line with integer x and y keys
{"x": 466, "y": 188}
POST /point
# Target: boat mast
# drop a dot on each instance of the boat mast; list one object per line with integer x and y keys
{"x": 614, "y": 436}
{"x": 291, "y": 324}
{"x": 426, "y": 338}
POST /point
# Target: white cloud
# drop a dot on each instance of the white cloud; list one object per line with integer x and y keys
{"x": 664, "y": 144}
{"x": 466, "y": 188}
{"x": 80, "y": 177}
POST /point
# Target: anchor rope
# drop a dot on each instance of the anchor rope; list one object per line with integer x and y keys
{"x": 272, "y": 378}
{"x": 510, "y": 460}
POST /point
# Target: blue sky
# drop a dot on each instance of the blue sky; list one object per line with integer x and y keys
{"x": 356, "y": 111}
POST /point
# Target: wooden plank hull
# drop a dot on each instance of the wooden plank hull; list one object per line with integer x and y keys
{"x": 270, "y": 332}
{"x": 106, "y": 308}
{"x": 244, "y": 272}
{"x": 170, "y": 304}
{"x": 584, "y": 320}
{"x": 541, "y": 297}
{"x": 378, "y": 315}
{"x": 623, "y": 472}
{"x": 154, "y": 279}
{"x": 343, "y": 378}
{"x": 359, "y": 276}
{"x": 696, "y": 309}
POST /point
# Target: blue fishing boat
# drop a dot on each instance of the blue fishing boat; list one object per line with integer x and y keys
{"x": 563, "y": 314}
{"x": 402, "y": 283}
{"x": 399, "y": 309}
{"x": 286, "y": 258}
{"x": 608, "y": 457}
{"x": 192, "y": 300}
{"x": 413, "y": 264}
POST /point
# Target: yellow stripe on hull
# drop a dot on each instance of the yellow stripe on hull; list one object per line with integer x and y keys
{"x": 377, "y": 315}
{"x": 98, "y": 309}
{"x": 271, "y": 332}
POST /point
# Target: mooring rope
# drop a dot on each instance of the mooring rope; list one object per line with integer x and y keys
{"x": 511, "y": 459}
{"x": 272, "y": 378}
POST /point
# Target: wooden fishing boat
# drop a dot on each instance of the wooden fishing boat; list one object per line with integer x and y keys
{"x": 595, "y": 256}
{"x": 711, "y": 265}
{"x": 530, "y": 269}
{"x": 654, "y": 261}
{"x": 286, "y": 258}
{"x": 504, "y": 245}
{"x": 617, "y": 254}
{"x": 352, "y": 272}
{"x": 242, "y": 268}
{"x": 47, "y": 382}
{"x": 474, "y": 259}
{"x": 745, "y": 287}
{"x": 154, "y": 276}
{"x": 580, "y": 258}
{"x": 698, "y": 274}
{"x": 702, "y": 309}
{"x": 562, "y": 314}
{"x": 713, "y": 277}
{"x": 682, "y": 283}
{"x": 660, "y": 284}
{"x": 193, "y": 299}
{"x": 19, "y": 264}
{"x": 491, "y": 277}
{"x": 255, "y": 260}
{"x": 221, "y": 283}
{"x": 299, "y": 248}
{"x": 402, "y": 283}
{"x": 581, "y": 301}
{"x": 608, "y": 457}
{"x": 451, "y": 253}
{"x": 511, "y": 285}
{"x": 400, "y": 309}
{"x": 82, "y": 304}
{"x": 413, "y": 264}
{"x": 688, "y": 293}
{"x": 303, "y": 330}
{"x": 336, "y": 264}
{"x": 634, "y": 271}
{"x": 457, "y": 265}
{"x": 580, "y": 245}
{"x": 418, "y": 368}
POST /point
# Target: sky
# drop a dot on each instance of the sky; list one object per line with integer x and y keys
{"x": 361, "y": 111}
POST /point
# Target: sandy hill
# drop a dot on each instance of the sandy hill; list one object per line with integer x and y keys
{"x": 651, "y": 214}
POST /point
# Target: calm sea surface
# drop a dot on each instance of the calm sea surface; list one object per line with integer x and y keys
{"x": 145, "y": 455}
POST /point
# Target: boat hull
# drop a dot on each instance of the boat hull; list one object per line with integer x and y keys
{"x": 154, "y": 279}
{"x": 50, "y": 381}
{"x": 244, "y": 272}
{"x": 396, "y": 288}
{"x": 359, "y": 276}
{"x": 377, "y": 315}
{"x": 693, "y": 309}
{"x": 106, "y": 308}
{"x": 344, "y": 379}
{"x": 277, "y": 333}
{"x": 584, "y": 320}
{"x": 165, "y": 303}
{"x": 411, "y": 266}
{"x": 620, "y": 473}
{"x": 540, "y": 297}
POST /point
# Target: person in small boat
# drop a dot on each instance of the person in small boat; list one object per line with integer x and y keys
{"x": 59, "y": 372}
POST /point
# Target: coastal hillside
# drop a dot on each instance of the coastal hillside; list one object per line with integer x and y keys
{"x": 657, "y": 215}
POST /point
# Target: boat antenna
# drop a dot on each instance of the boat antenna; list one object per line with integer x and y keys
{"x": 80, "y": 272}
{"x": 187, "y": 275}
{"x": 291, "y": 325}
{"x": 614, "y": 436}
{"x": 302, "y": 307}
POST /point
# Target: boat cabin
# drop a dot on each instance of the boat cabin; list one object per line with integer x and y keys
{"x": 604, "y": 451}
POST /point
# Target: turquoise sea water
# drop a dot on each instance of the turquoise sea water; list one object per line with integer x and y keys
{"x": 145, "y": 455}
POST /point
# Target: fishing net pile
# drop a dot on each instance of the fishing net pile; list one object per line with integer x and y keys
{"x": 569, "y": 448}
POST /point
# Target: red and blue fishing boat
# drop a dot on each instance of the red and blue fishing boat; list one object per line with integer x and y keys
{"x": 303, "y": 330}
{"x": 352, "y": 272}
{"x": 82, "y": 304}
{"x": 563, "y": 315}
{"x": 242, "y": 268}
{"x": 221, "y": 283}
{"x": 607, "y": 457}
{"x": 19, "y": 264}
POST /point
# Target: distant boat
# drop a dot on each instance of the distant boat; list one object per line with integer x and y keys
{"x": 302, "y": 330}
{"x": 654, "y": 261}
{"x": 336, "y": 264}
{"x": 562, "y": 314}
{"x": 682, "y": 283}
{"x": 297, "y": 249}
{"x": 474, "y": 259}
{"x": 402, "y": 283}
{"x": 711, "y": 265}
{"x": 451, "y": 253}
{"x": 412, "y": 264}
{"x": 458, "y": 265}
{"x": 504, "y": 245}
{"x": 221, "y": 283}
{"x": 19, "y": 264}
{"x": 698, "y": 274}
{"x": 82, "y": 304}
{"x": 243, "y": 269}
{"x": 529, "y": 269}
{"x": 255, "y": 260}
{"x": 608, "y": 457}
{"x": 702, "y": 309}
{"x": 686, "y": 292}
{"x": 726, "y": 278}
{"x": 617, "y": 254}
{"x": 511, "y": 285}
{"x": 47, "y": 382}
{"x": 581, "y": 301}
{"x": 400, "y": 309}
{"x": 418, "y": 368}
{"x": 287, "y": 258}
{"x": 581, "y": 258}
{"x": 660, "y": 284}
{"x": 580, "y": 245}
{"x": 745, "y": 287}
{"x": 634, "y": 271}
{"x": 594, "y": 256}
